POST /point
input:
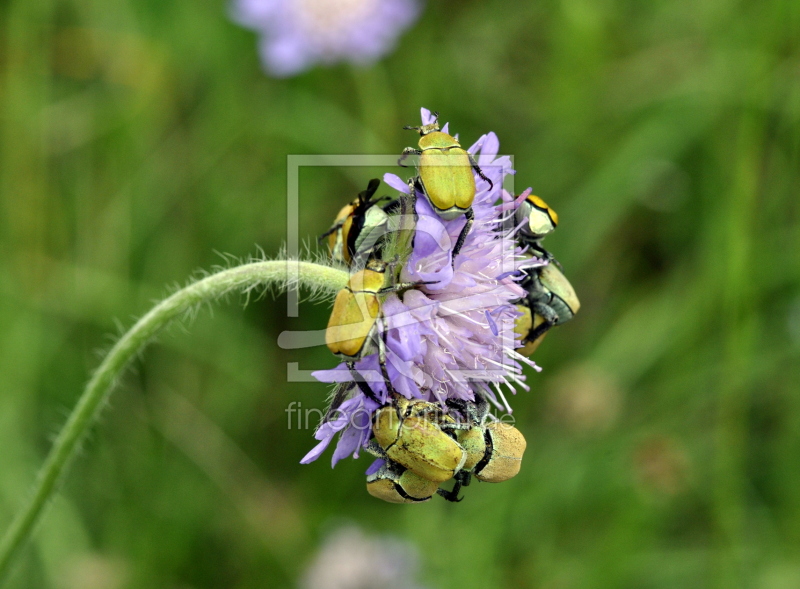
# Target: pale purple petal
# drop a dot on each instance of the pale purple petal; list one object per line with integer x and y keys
{"x": 316, "y": 451}
{"x": 430, "y": 261}
{"x": 396, "y": 182}
{"x": 338, "y": 374}
{"x": 375, "y": 466}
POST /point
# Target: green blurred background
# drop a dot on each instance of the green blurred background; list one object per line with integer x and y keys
{"x": 139, "y": 138}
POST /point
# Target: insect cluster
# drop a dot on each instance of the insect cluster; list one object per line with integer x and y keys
{"x": 422, "y": 443}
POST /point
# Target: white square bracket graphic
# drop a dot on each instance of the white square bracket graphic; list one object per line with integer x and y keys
{"x": 293, "y": 164}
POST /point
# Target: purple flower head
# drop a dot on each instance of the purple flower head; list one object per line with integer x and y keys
{"x": 351, "y": 559}
{"x": 454, "y": 336}
{"x": 296, "y": 34}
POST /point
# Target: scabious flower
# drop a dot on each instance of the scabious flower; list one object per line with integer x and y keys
{"x": 296, "y": 34}
{"x": 351, "y": 559}
{"x": 454, "y": 336}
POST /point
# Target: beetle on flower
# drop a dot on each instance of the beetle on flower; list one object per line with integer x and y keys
{"x": 453, "y": 336}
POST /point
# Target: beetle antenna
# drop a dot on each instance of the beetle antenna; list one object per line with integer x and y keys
{"x": 382, "y": 357}
{"x": 336, "y": 227}
{"x": 372, "y": 188}
{"x": 361, "y": 383}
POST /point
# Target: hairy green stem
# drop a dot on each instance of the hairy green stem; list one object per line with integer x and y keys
{"x": 239, "y": 279}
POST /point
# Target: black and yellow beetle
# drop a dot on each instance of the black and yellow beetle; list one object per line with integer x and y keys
{"x": 534, "y": 220}
{"x": 358, "y": 226}
{"x": 409, "y": 433}
{"x": 541, "y": 219}
{"x": 445, "y": 176}
{"x": 551, "y": 300}
{"x": 396, "y": 484}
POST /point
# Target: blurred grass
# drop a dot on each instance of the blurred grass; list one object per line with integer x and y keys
{"x": 139, "y": 138}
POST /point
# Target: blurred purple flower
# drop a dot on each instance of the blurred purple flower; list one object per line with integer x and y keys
{"x": 452, "y": 338}
{"x": 296, "y": 34}
{"x": 350, "y": 559}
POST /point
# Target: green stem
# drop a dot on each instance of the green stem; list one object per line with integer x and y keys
{"x": 67, "y": 444}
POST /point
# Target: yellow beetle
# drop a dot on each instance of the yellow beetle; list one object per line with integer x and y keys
{"x": 533, "y": 220}
{"x": 352, "y": 324}
{"x": 409, "y": 433}
{"x": 445, "y": 175}
{"x": 355, "y": 312}
{"x": 352, "y": 327}
{"x": 551, "y": 298}
{"x": 493, "y": 450}
{"x": 542, "y": 220}
{"x": 358, "y": 226}
{"x": 396, "y": 484}
{"x": 505, "y": 446}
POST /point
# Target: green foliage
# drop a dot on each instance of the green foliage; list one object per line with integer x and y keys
{"x": 138, "y": 139}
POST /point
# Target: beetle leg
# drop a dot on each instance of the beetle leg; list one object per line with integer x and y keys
{"x": 536, "y": 292}
{"x": 463, "y": 235}
{"x": 480, "y": 408}
{"x": 457, "y": 410}
{"x": 374, "y": 448}
{"x": 462, "y": 480}
{"x": 409, "y": 205}
{"x": 406, "y": 152}
{"x": 382, "y": 358}
{"x": 340, "y": 393}
{"x": 550, "y": 319}
{"x": 478, "y": 170}
{"x": 536, "y": 248}
{"x": 461, "y": 412}
{"x": 403, "y": 286}
{"x": 459, "y": 404}
{"x": 335, "y": 227}
{"x": 471, "y": 413}
{"x": 407, "y": 218}
{"x": 541, "y": 330}
{"x": 456, "y": 425}
{"x": 450, "y": 495}
{"x": 412, "y": 188}
{"x": 362, "y": 384}
{"x": 546, "y": 311}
